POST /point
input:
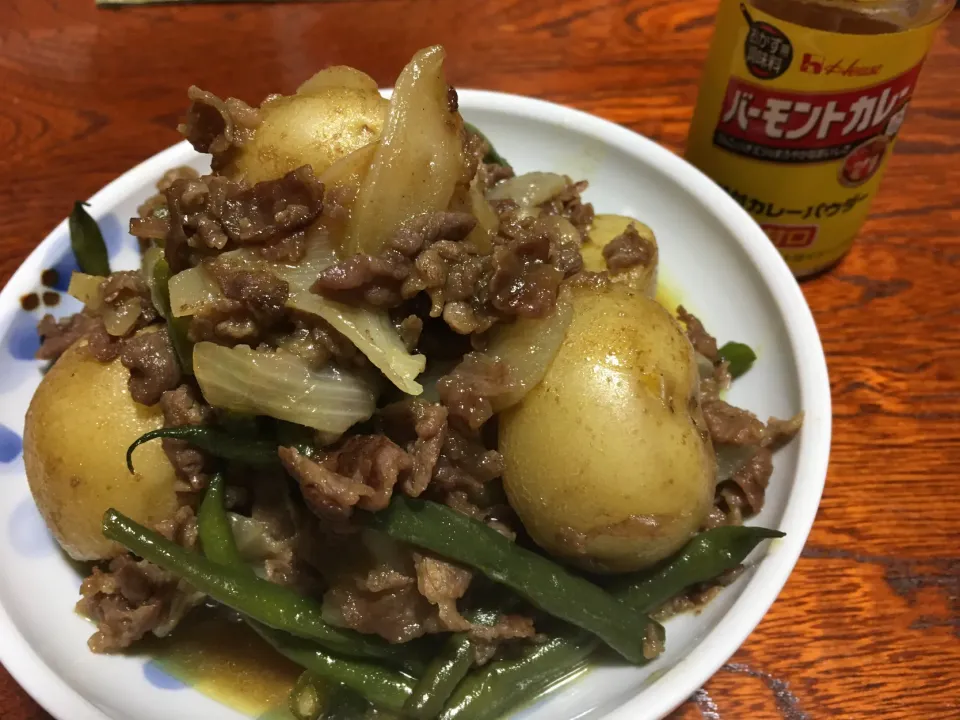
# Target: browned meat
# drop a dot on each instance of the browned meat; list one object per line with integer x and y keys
{"x": 153, "y": 221}
{"x": 779, "y": 432}
{"x": 262, "y": 293}
{"x": 167, "y": 180}
{"x": 121, "y": 287}
{"x": 442, "y": 583}
{"x": 362, "y": 473}
{"x": 289, "y": 250}
{"x": 570, "y": 205}
{"x": 420, "y": 427}
{"x": 58, "y": 335}
{"x": 523, "y": 282}
{"x": 753, "y": 478}
{"x": 152, "y": 364}
{"x": 215, "y": 126}
{"x": 467, "y": 392}
{"x": 627, "y": 250}
{"x": 398, "y": 614}
{"x": 423, "y": 231}
{"x": 702, "y": 341}
{"x": 732, "y": 425}
{"x": 225, "y": 322}
{"x": 410, "y": 329}
{"x": 316, "y": 342}
{"x": 182, "y": 407}
{"x": 365, "y": 278}
{"x": 132, "y": 598}
{"x": 210, "y": 212}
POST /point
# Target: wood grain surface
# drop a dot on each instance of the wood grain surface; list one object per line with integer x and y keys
{"x": 869, "y": 624}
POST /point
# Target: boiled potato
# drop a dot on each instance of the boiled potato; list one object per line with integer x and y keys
{"x": 316, "y": 127}
{"x": 80, "y": 422}
{"x": 604, "y": 229}
{"x": 607, "y": 461}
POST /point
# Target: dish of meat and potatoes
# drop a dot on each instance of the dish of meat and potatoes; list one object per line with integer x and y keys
{"x": 418, "y": 426}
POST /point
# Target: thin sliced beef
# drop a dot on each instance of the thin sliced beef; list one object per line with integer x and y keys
{"x": 421, "y": 428}
{"x": 361, "y": 473}
{"x": 442, "y": 583}
{"x": 469, "y": 390}
{"x": 569, "y": 204}
{"x": 216, "y": 126}
{"x": 702, "y": 341}
{"x": 153, "y": 366}
{"x": 56, "y": 336}
{"x": 627, "y": 250}
{"x": 134, "y": 597}
{"x": 184, "y": 406}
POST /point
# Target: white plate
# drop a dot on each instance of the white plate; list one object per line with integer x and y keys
{"x": 712, "y": 253}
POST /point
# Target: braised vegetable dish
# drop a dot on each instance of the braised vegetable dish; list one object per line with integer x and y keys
{"x": 417, "y": 420}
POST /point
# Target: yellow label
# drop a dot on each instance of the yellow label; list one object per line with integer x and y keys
{"x": 797, "y": 125}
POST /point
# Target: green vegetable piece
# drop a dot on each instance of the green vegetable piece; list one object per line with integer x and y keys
{"x": 87, "y": 243}
{"x": 345, "y": 704}
{"x": 504, "y": 684}
{"x": 382, "y": 686}
{"x": 214, "y": 441}
{"x": 544, "y": 583}
{"x": 739, "y": 357}
{"x": 492, "y": 156}
{"x": 444, "y": 674}
{"x": 273, "y": 605}
{"x": 213, "y": 525}
{"x": 305, "y": 700}
{"x": 706, "y": 556}
{"x": 178, "y": 327}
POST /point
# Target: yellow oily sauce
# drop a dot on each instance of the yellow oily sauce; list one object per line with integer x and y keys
{"x": 228, "y": 662}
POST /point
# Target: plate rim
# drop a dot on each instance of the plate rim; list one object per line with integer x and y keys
{"x": 666, "y": 692}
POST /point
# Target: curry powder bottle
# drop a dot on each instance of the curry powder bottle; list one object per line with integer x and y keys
{"x": 800, "y": 107}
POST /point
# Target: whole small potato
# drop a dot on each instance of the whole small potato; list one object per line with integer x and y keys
{"x": 314, "y": 128}
{"x": 78, "y": 427}
{"x": 604, "y": 229}
{"x": 607, "y": 461}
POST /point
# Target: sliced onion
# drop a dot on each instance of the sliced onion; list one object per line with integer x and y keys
{"x": 372, "y": 333}
{"x": 528, "y": 346}
{"x": 120, "y": 319}
{"x": 282, "y": 386}
{"x": 191, "y": 290}
{"x": 418, "y": 160}
{"x": 86, "y": 289}
{"x": 529, "y": 190}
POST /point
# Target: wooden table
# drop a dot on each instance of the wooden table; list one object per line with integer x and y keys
{"x": 869, "y": 623}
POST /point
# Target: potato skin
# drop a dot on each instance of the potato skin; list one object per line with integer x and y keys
{"x": 604, "y": 229}
{"x": 607, "y": 461}
{"x": 316, "y": 128}
{"x": 78, "y": 427}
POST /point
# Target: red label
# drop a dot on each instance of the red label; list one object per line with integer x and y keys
{"x": 791, "y": 236}
{"x": 794, "y": 127}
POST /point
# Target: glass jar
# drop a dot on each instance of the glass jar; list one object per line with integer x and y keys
{"x": 799, "y": 109}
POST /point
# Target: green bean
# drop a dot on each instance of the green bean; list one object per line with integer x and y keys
{"x": 382, "y": 686}
{"x": 178, "y": 327}
{"x": 273, "y": 605}
{"x": 216, "y": 538}
{"x": 213, "y": 525}
{"x": 87, "y": 243}
{"x": 345, "y": 704}
{"x": 215, "y": 441}
{"x": 544, "y": 583}
{"x": 504, "y": 684}
{"x": 305, "y": 701}
{"x": 492, "y": 156}
{"x": 706, "y": 556}
{"x": 739, "y": 357}
{"x": 446, "y": 671}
